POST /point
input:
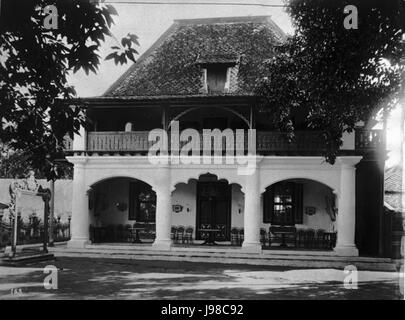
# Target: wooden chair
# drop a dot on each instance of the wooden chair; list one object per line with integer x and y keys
{"x": 310, "y": 238}
{"x": 241, "y": 236}
{"x": 173, "y": 232}
{"x": 188, "y": 237}
{"x": 204, "y": 235}
{"x": 180, "y": 234}
{"x": 234, "y": 237}
{"x": 320, "y": 238}
{"x": 301, "y": 238}
{"x": 263, "y": 236}
{"x": 128, "y": 233}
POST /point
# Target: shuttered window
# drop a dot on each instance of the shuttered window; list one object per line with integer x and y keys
{"x": 283, "y": 204}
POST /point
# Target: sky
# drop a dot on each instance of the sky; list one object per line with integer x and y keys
{"x": 149, "y": 21}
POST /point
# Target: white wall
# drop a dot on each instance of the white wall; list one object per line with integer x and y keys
{"x": 117, "y": 190}
{"x": 63, "y": 199}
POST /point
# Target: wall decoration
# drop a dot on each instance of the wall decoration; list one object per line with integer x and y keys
{"x": 121, "y": 206}
{"x": 177, "y": 208}
{"x": 310, "y": 211}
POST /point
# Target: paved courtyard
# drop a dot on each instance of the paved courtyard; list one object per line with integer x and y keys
{"x": 82, "y": 278}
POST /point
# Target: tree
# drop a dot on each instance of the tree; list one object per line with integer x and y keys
{"x": 334, "y": 75}
{"x": 41, "y": 43}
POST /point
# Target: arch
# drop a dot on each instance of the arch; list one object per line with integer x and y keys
{"x": 239, "y": 115}
{"x": 294, "y": 177}
{"x": 197, "y": 174}
{"x": 98, "y": 182}
{"x": 92, "y": 181}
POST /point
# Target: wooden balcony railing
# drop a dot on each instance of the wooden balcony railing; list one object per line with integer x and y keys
{"x": 277, "y": 141}
{"x": 368, "y": 139}
{"x": 266, "y": 142}
{"x": 118, "y": 141}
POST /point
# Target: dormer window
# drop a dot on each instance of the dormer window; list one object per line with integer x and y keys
{"x": 216, "y": 72}
{"x": 217, "y": 79}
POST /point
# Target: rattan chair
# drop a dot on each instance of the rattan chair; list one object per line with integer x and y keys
{"x": 320, "y": 238}
{"x": 234, "y": 237}
{"x": 173, "y": 232}
{"x": 241, "y": 236}
{"x": 180, "y": 234}
{"x": 188, "y": 236}
{"x": 263, "y": 236}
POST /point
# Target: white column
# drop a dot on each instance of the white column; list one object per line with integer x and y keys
{"x": 80, "y": 140}
{"x": 79, "y": 225}
{"x": 252, "y": 214}
{"x": 346, "y": 217}
{"x": 163, "y": 211}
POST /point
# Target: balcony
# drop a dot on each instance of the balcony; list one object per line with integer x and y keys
{"x": 267, "y": 142}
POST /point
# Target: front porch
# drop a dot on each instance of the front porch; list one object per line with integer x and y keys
{"x": 276, "y": 207}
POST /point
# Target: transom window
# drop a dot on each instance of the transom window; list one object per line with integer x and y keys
{"x": 283, "y": 204}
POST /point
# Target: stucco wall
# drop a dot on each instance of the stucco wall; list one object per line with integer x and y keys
{"x": 117, "y": 190}
{"x": 28, "y": 205}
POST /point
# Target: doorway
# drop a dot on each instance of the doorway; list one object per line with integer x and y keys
{"x": 214, "y": 208}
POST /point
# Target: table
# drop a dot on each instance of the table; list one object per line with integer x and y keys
{"x": 329, "y": 238}
{"x": 283, "y": 233}
{"x": 136, "y": 229}
{"x": 210, "y": 241}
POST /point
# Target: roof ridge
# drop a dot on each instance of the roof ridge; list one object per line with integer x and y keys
{"x": 214, "y": 20}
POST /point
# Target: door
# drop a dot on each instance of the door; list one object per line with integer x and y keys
{"x": 214, "y": 208}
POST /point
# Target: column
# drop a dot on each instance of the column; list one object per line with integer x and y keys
{"x": 79, "y": 224}
{"x": 80, "y": 140}
{"x": 163, "y": 211}
{"x": 252, "y": 214}
{"x": 346, "y": 217}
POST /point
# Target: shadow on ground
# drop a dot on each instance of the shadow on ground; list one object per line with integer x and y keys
{"x": 81, "y": 278}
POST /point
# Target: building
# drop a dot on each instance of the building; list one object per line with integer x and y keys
{"x": 394, "y": 225}
{"x": 200, "y": 74}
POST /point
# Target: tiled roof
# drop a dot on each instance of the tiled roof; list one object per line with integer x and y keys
{"x": 172, "y": 66}
{"x": 393, "y": 179}
{"x": 393, "y": 187}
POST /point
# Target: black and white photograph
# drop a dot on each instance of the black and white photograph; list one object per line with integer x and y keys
{"x": 214, "y": 152}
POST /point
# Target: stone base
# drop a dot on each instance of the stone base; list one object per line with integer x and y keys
{"x": 162, "y": 245}
{"x": 252, "y": 247}
{"x": 78, "y": 243}
{"x": 347, "y": 251}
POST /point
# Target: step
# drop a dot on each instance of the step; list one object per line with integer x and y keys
{"x": 237, "y": 258}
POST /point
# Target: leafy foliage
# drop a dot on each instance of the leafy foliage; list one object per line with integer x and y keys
{"x": 38, "y": 108}
{"x": 336, "y": 76}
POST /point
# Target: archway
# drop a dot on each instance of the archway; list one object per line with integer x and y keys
{"x": 299, "y": 213}
{"x": 209, "y": 203}
{"x": 211, "y": 117}
{"x": 122, "y": 209}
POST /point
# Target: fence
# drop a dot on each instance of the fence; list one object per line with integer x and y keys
{"x": 32, "y": 231}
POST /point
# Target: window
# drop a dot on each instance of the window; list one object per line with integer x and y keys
{"x": 142, "y": 202}
{"x": 283, "y": 204}
{"x": 217, "y": 78}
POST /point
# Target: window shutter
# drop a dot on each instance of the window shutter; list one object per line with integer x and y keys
{"x": 268, "y": 205}
{"x": 298, "y": 203}
{"x": 133, "y": 201}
